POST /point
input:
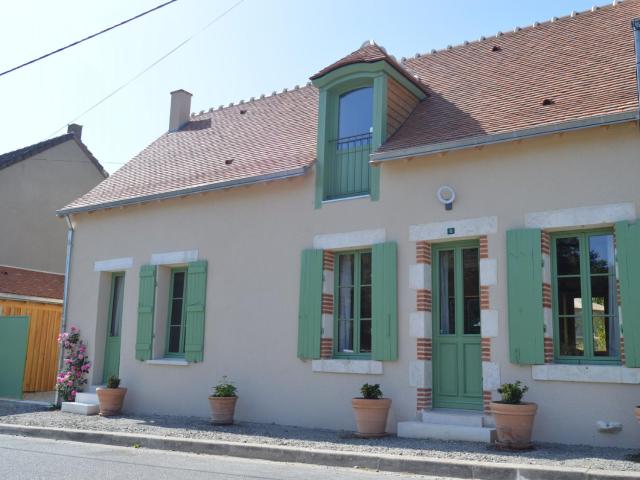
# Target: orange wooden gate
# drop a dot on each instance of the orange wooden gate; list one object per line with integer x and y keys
{"x": 42, "y": 348}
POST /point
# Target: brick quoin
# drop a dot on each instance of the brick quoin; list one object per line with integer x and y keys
{"x": 423, "y": 399}
{"x": 327, "y": 260}
{"x": 423, "y": 300}
{"x": 548, "y": 350}
{"x": 546, "y": 295}
{"x": 327, "y": 303}
{"x": 484, "y": 247}
{"x": 485, "y": 345}
{"x": 545, "y": 243}
{"x": 326, "y": 348}
{"x": 484, "y": 297}
{"x": 423, "y": 348}
{"x": 623, "y": 358}
{"x": 423, "y": 252}
{"x": 486, "y": 402}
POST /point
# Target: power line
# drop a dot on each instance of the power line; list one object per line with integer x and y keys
{"x": 86, "y": 38}
{"x": 142, "y": 72}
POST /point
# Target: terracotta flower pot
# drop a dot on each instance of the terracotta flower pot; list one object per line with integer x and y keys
{"x": 222, "y": 409}
{"x": 110, "y": 400}
{"x": 637, "y": 412}
{"x": 514, "y": 423}
{"x": 371, "y": 416}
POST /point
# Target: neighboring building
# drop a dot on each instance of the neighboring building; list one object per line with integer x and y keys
{"x": 295, "y": 241}
{"x": 35, "y": 181}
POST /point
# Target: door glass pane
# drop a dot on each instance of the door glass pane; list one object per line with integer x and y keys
{"x": 601, "y": 254}
{"x": 447, "y": 293}
{"x": 116, "y": 307}
{"x": 568, "y": 256}
{"x": 345, "y": 302}
{"x": 471, "y": 282}
{"x": 365, "y": 302}
{"x": 365, "y": 268}
{"x": 571, "y": 331}
{"x": 345, "y": 270}
{"x": 365, "y": 336}
{"x": 355, "y": 112}
{"x": 605, "y": 336}
{"x": 569, "y": 296}
{"x": 345, "y": 331}
{"x": 601, "y": 287}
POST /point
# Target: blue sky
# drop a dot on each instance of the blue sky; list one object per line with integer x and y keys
{"x": 261, "y": 46}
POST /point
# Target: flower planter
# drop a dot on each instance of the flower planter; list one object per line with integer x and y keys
{"x": 110, "y": 400}
{"x": 514, "y": 423}
{"x": 371, "y": 416}
{"x": 222, "y": 409}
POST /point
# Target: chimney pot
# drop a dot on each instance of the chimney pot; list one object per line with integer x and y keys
{"x": 180, "y": 109}
{"x": 75, "y": 129}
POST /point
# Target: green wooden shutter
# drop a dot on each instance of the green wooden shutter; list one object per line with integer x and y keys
{"x": 628, "y": 256}
{"x": 195, "y": 315}
{"x": 310, "y": 306}
{"x": 146, "y": 304}
{"x": 384, "y": 322}
{"x": 524, "y": 286}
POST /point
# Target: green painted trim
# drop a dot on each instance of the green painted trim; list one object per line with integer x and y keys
{"x": 356, "y": 354}
{"x": 180, "y": 352}
{"x": 114, "y": 275}
{"x": 585, "y": 288}
{"x": 321, "y": 147}
{"x": 379, "y": 130}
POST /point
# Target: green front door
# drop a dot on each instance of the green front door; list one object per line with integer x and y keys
{"x": 14, "y": 335}
{"x": 457, "y": 361}
{"x": 114, "y": 327}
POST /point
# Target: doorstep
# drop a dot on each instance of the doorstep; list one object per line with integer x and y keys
{"x": 450, "y": 424}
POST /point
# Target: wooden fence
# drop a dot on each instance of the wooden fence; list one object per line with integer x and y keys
{"x": 42, "y": 348}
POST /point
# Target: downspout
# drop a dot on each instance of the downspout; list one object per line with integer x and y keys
{"x": 635, "y": 24}
{"x": 65, "y": 298}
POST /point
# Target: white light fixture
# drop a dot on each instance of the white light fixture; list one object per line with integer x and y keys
{"x": 446, "y": 195}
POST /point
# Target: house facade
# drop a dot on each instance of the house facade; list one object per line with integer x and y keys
{"x": 438, "y": 225}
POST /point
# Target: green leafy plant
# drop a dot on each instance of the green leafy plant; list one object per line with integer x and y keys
{"x": 371, "y": 392}
{"x": 75, "y": 365}
{"x": 224, "y": 389}
{"x": 512, "y": 393}
{"x": 113, "y": 381}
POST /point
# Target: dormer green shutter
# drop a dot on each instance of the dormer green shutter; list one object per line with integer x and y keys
{"x": 195, "y": 311}
{"x": 384, "y": 322}
{"x": 628, "y": 257}
{"x": 524, "y": 287}
{"x": 310, "y": 305}
{"x": 146, "y": 304}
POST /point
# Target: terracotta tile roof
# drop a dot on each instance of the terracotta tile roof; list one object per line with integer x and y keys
{"x": 584, "y": 65}
{"x": 261, "y": 137}
{"x": 31, "y": 283}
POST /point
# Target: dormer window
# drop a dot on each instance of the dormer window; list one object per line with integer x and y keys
{"x": 355, "y": 113}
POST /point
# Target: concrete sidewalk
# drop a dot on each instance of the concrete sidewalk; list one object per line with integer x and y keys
{"x": 389, "y": 463}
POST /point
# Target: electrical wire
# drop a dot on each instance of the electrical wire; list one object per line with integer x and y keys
{"x": 145, "y": 70}
{"x": 86, "y": 38}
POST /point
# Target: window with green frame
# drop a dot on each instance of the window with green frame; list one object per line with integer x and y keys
{"x": 585, "y": 309}
{"x": 177, "y": 307}
{"x": 352, "y": 305}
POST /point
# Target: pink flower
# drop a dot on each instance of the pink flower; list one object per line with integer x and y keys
{"x": 80, "y": 357}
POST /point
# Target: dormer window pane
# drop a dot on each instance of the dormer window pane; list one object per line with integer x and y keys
{"x": 356, "y": 113}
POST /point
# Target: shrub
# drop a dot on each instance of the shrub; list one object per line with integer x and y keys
{"x": 371, "y": 392}
{"x": 75, "y": 365}
{"x": 512, "y": 392}
{"x": 224, "y": 389}
{"x": 113, "y": 381}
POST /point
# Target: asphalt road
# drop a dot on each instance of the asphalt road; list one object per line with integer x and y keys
{"x": 36, "y": 458}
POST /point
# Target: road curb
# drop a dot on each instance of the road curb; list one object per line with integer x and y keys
{"x": 389, "y": 463}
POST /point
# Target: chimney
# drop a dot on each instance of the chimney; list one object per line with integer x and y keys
{"x": 635, "y": 23}
{"x": 180, "y": 109}
{"x": 75, "y": 129}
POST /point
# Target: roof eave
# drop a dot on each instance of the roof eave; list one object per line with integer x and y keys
{"x": 296, "y": 172}
{"x": 476, "y": 141}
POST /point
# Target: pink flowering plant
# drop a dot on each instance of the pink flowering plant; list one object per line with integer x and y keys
{"x": 75, "y": 365}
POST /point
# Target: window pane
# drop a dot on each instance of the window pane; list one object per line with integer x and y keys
{"x": 571, "y": 331}
{"x": 174, "y": 340}
{"x": 176, "y": 312}
{"x": 569, "y": 296}
{"x": 345, "y": 270}
{"x": 345, "y": 303}
{"x": 447, "y": 293}
{"x": 471, "y": 274}
{"x": 178, "y": 285}
{"x": 601, "y": 288}
{"x": 365, "y": 336}
{"x": 116, "y": 306}
{"x": 345, "y": 339}
{"x": 355, "y": 112}
{"x": 365, "y": 268}
{"x": 605, "y": 336}
{"x": 601, "y": 254}
{"x": 365, "y": 302}
{"x": 568, "y": 256}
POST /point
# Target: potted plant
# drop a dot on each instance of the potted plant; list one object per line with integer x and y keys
{"x": 111, "y": 397}
{"x": 371, "y": 411}
{"x": 514, "y": 418}
{"x": 223, "y": 402}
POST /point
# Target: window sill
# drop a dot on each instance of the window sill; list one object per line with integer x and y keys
{"x": 586, "y": 373}
{"x": 176, "y": 362}
{"x": 333, "y": 365}
{"x": 342, "y": 199}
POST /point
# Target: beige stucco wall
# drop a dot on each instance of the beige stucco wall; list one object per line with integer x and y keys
{"x": 252, "y": 238}
{"x": 31, "y": 236}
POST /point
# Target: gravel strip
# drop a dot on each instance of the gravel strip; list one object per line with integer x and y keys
{"x": 272, "y": 434}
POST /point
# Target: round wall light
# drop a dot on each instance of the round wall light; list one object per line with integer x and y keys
{"x": 446, "y": 196}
